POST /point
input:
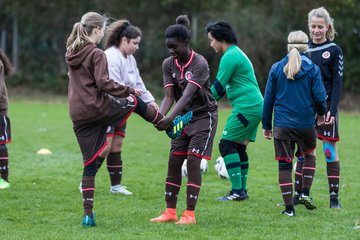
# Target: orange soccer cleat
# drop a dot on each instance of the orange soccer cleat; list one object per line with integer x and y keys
{"x": 167, "y": 216}
{"x": 187, "y": 217}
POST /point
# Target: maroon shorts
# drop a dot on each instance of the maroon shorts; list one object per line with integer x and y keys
{"x": 119, "y": 130}
{"x": 5, "y": 130}
{"x": 198, "y": 137}
{"x": 329, "y": 132}
{"x": 92, "y": 136}
{"x": 285, "y": 140}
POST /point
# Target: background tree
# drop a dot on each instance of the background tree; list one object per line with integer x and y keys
{"x": 261, "y": 25}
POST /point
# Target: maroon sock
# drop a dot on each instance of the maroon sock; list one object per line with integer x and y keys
{"x": 309, "y": 168}
{"x": 298, "y": 176}
{"x": 333, "y": 172}
{"x": 99, "y": 161}
{"x": 4, "y": 161}
{"x": 88, "y": 189}
{"x": 173, "y": 180}
{"x": 147, "y": 112}
{"x": 285, "y": 183}
{"x": 194, "y": 182}
{"x": 114, "y": 166}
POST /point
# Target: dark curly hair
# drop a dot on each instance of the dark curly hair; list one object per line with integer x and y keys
{"x": 180, "y": 30}
{"x": 222, "y": 31}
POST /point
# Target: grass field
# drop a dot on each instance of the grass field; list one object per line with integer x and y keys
{"x": 44, "y": 201}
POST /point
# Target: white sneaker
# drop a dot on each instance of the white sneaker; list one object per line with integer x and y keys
{"x": 4, "y": 184}
{"x": 120, "y": 190}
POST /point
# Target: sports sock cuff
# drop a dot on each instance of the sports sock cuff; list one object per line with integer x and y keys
{"x": 190, "y": 213}
{"x": 306, "y": 192}
{"x": 171, "y": 210}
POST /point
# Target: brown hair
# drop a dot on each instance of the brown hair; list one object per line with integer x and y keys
{"x": 8, "y": 69}
{"x": 119, "y": 29}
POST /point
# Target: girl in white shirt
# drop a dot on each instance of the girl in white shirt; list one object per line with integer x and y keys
{"x": 121, "y": 42}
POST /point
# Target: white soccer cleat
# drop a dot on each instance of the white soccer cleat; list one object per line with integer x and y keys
{"x": 4, "y": 184}
{"x": 119, "y": 189}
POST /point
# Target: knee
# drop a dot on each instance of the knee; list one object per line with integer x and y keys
{"x": 90, "y": 170}
{"x": 311, "y": 153}
{"x": 193, "y": 163}
{"x": 227, "y": 147}
{"x": 105, "y": 151}
{"x": 116, "y": 145}
{"x": 3, "y": 147}
{"x": 242, "y": 153}
{"x": 141, "y": 106}
{"x": 175, "y": 162}
{"x": 285, "y": 166}
{"x": 329, "y": 152}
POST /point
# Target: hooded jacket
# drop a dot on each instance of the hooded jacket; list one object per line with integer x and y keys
{"x": 294, "y": 102}
{"x": 4, "y": 101}
{"x": 89, "y": 85}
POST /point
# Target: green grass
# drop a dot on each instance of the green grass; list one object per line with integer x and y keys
{"x": 44, "y": 201}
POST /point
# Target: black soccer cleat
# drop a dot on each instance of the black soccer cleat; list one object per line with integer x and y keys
{"x": 307, "y": 201}
{"x": 289, "y": 213}
{"x": 334, "y": 203}
{"x": 234, "y": 196}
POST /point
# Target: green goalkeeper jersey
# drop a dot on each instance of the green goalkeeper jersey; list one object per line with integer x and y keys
{"x": 236, "y": 79}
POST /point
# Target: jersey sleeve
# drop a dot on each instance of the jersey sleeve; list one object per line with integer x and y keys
{"x": 2, "y": 79}
{"x": 269, "y": 99}
{"x": 167, "y": 75}
{"x": 114, "y": 66}
{"x": 318, "y": 91}
{"x": 103, "y": 81}
{"x": 201, "y": 73}
{"x": 226, "y": 69}
{"x": 146, "y": 96}
{"x": 337, "y": 77}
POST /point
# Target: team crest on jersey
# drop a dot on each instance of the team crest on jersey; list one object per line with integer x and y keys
{"x": 326, "y": 55}
{"x": 188, "y": 75}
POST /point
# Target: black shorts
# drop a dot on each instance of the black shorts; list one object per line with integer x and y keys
{"x": 119, "y": 130}
{"x": 5, "y": 130}
{"x": 198, "y": 137}
{"x": 92, "y": 136}
{"x": 285, "y": 140}
{"x": 329, "y": 132}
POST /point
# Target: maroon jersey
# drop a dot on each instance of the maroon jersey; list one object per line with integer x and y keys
{"x": 195, "y": 71}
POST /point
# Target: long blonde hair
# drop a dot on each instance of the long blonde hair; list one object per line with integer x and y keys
{"x": 297, "y": 43}
{"x": 83, "y": 29}
{"x": 321, "y": 12}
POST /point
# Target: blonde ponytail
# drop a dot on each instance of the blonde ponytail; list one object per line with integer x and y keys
{"x": 294, "y": 64}
{"x": 77, "y": 38}
{"x": 297, "y": 43}
{"x": 83, "y": 29}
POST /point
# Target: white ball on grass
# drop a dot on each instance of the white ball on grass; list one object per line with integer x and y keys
{"x": 203, "y": 167}
{"x": 220, "y": 168}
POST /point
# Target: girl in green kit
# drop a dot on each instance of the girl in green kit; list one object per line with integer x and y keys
{"x": 236, "y": 79}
